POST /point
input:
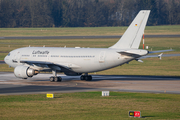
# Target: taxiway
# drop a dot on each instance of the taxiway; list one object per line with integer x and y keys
{"x": 9, "y": 84}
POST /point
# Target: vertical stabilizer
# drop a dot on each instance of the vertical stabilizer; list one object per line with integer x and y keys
{"x": 132, "y": 37}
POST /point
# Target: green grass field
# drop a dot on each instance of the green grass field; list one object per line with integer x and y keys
{"x": 90, "y": 106}
{"x": 83, "y": 31}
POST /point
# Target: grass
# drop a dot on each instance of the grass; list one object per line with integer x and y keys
{"x": 84, "y": 31}
{"x": 163, "y": 30}
{"x": 90, "y": 105}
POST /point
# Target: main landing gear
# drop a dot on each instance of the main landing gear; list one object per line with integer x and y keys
{"x": 54, "y": 78}
{"x": 86, "y": 77}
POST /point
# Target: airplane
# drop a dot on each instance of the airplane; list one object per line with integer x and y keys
{"x": 30, "y": 61}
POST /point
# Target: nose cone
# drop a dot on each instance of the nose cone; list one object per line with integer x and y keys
{"x": 6, "y": 60}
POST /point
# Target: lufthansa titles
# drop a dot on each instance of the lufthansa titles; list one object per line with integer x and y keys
{"x": 40, "y": 52}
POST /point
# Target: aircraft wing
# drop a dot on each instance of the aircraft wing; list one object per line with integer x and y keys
{"x": 49, "y": 65}
{"x": 35, "y": 62}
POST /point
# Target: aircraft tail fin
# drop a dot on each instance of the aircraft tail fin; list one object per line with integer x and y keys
{"x": 132, "y": 37}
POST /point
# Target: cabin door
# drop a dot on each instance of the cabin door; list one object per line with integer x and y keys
{"x": 102, "y": 57}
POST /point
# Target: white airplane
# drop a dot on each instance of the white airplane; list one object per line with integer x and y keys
{"x": 29, "y": 61}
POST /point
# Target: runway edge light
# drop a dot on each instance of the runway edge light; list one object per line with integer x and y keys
{"x": 136, "y": 114}
{"x": 50, "y": 95}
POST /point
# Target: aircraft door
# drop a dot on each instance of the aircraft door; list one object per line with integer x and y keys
{"x": 16, "y": 57}
{"x": 102, "y": 57}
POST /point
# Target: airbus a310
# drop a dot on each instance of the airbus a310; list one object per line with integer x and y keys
{"x": 29, "y": 61}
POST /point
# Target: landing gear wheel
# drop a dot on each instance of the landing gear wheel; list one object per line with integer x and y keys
{"x": 55, "y": 79}
{"x": 89, "y": 77}
{"x": 82, "y": 77}
{"x": 59, "y": 79}
{"x": 52, "y": 79}
{"x": 86, "y": 77}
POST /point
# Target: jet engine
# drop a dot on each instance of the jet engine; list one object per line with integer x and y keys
{"x": 24, "y": 72}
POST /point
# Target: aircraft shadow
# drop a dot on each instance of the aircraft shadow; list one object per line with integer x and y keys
{"x": 134, "y": 77}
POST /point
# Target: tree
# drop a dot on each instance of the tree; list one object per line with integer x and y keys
{"x": 80, "y": 13}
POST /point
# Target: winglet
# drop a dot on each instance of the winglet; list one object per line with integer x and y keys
{"x": 132, "y": 37}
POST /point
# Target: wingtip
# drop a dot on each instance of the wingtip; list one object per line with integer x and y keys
{"x": 145, "y": 11}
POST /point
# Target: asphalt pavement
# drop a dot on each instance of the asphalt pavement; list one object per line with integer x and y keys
{"x": 40, "y": 83}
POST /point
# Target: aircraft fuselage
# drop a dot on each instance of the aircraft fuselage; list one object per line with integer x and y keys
{"x": 80, "y": 60}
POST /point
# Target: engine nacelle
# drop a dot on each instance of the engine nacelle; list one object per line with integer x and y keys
{"x": 24, "y": 72}
{"x": 72, "y": 74}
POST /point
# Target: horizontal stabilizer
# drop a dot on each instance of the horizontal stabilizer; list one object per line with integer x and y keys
{"x": 158, "y": 56}
{"x": 160, "y": 51}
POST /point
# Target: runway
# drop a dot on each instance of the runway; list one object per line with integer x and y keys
{"x": 2, "y": 62}
{"x": 82, "y": 37}
{"x": 10, "y": 85}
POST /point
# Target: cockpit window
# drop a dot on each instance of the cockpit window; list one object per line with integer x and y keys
{"x": 8, "y": 54}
